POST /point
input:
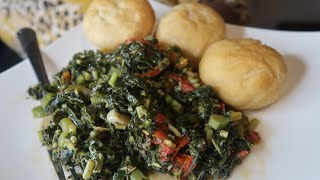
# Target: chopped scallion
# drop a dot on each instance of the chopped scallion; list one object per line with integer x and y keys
{"x": 113, "y": 79}
{"x": 120, "y": 126}
{"x": 72, "y": 129}
{"x": 40, "y": 136}
{"x": 218, "y": 122}
{"x": 216, "y": 146}
{"x": 95, "y": 75}
{"x": 136, "y": 175}
{"x": 64, "y": 124}
{"x": 174, "y": 130}
{"x": 96, "y": 100}
{"x": 80, "y": 79}
{"x": 168, "y": 99}
{"x": 62, "y": 139}
{"x": 177, "y": 107}
{"x": 38, "y": 112}
{"x": 209, "y": 133}
{"x": 224, "y": 133}
{"x": 99, "y": 163}
{"x": 88, "y": 169}
{"x": 141, "y": 111}
{"x": 168, "y": 142}
{"x": 46, "y": 99}
{"x": 156, "y": 164}
{"x": 87, "y": 76}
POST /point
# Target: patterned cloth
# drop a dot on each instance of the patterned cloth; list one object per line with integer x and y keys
{"x": 49, "y": 18}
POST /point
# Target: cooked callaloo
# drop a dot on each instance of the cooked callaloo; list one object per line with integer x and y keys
{"x": 138, "y": 109}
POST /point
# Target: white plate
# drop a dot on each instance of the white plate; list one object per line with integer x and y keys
{"x": 289, "y": 128}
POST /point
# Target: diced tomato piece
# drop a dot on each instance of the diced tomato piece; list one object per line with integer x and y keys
{"x": 167, "y": 150}
{"x": 175, "y": 77}
{"x": 181, "y": 142}
{"x": 186, "y": 86}
{"x": 160, "y": 134}
{"x": 163, "y": 158}
{"x": 242, "y": 154}
{"x": 159, "y": 118}
{"x": 184, "y": 162}
{"x": 222, "y": 106}
{"x": 141, "y": 40}
{"x": 152, "y": 73}
{"x": 253, "y": 137}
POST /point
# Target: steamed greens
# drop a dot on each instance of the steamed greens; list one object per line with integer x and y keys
{"x": 140, "y": 108}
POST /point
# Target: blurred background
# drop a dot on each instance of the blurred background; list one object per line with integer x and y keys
{"x": 52, "y": 18}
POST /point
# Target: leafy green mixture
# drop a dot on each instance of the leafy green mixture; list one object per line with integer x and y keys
{"x": 140, "y": 108}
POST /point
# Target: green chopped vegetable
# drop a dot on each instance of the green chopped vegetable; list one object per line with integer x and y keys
{"x": 155, "y": 164}
{"x": 95, "y": 75}
{"x": 140, "y": 108}
{"x": 95, "y": 100}
{"x": 64, "y": 124}
{"x": 174, "y": 130}
{"x": 177, "y": 107}
{"x": 88, "y": 169}
{"x": 113, "y": 69}
{"x": 87, "y": 76}
{"x": 218, "y": 122}
{"x": 113, "y": 79}
{"x": 40, "y": 136}
{"x": 216, "y": 145}
{"x": 209, "y": 133}
{"x": 72, "y": 129}
{"x": 224, "y": 133}
{"x": 120, "y": 126}
{"x": 99, "y": 163}
{"x": 141, "y": 111}
{"x": 46, "y": 99}
{"x": 168, "y": 99}
{"x": 38, "y": 112}
{"x": 62, "y": 139}
{"x": 80, "y": 79}
{"x": 136, "y": 175}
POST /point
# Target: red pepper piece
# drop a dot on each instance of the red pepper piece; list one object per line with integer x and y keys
{"x": 167, "y": 150}
{"x": 253, "y": 137}
{"x": 159, "y": 118}
{"x": 242, "y": 154}
{"x": 186, "y": 86}
{"x": 160, "y": 134}
{"x": 185, "y": 163}
{"x": 152, "y": 73}
{"x": 222, "y": 106}
{"x": 181, "y": 142}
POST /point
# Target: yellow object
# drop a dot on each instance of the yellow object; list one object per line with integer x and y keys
{"x": 193, "y": 27}
{"x": 244, "y": 73}
{"x": 108, "y": 23}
